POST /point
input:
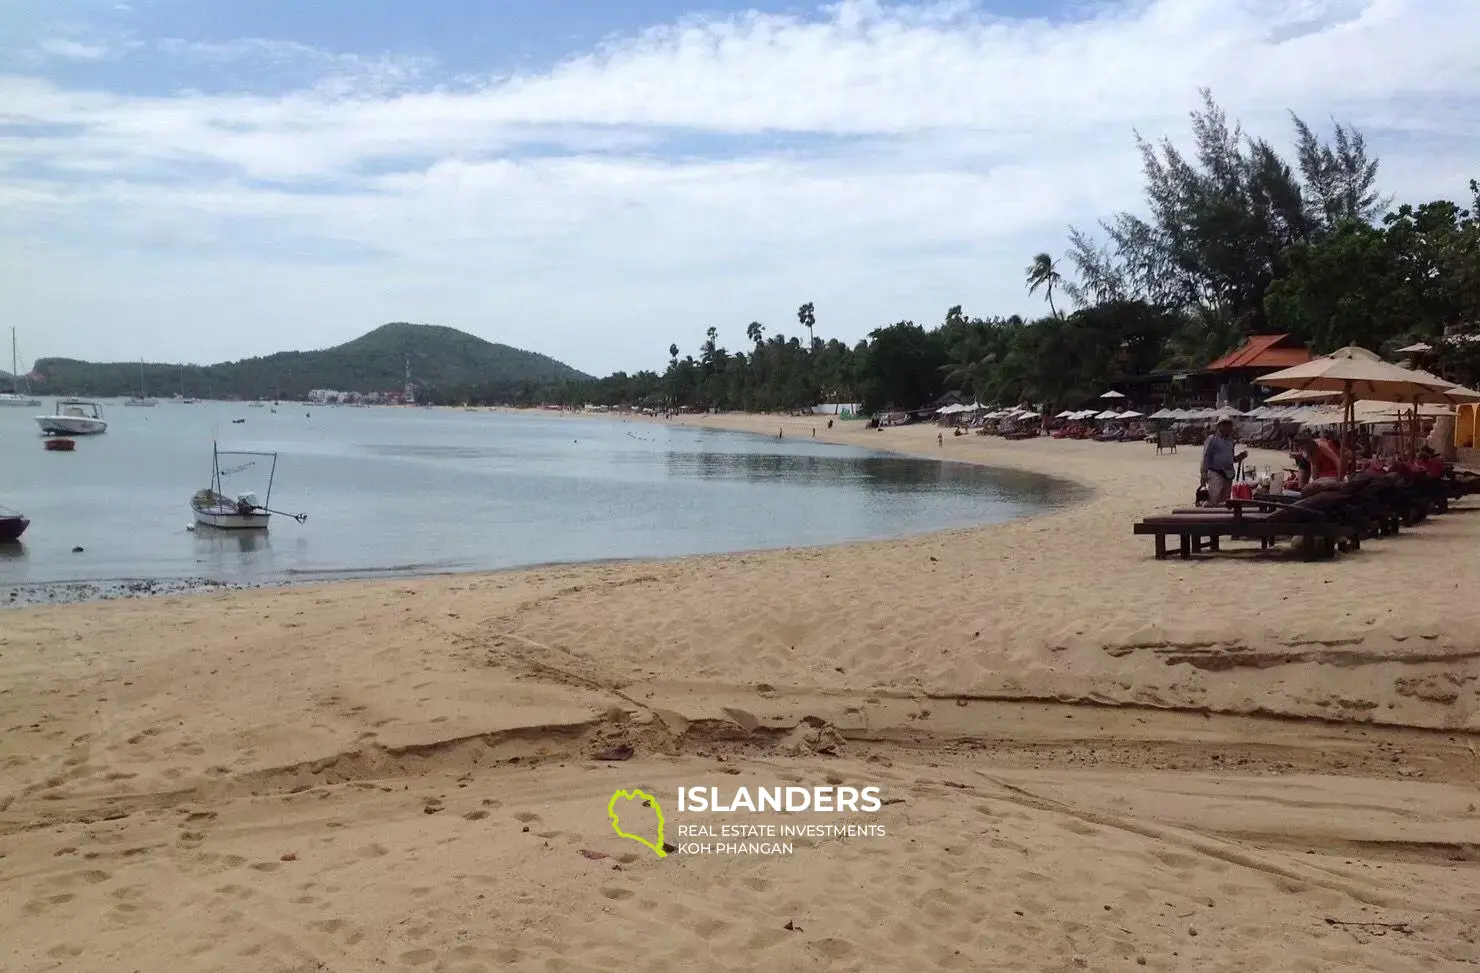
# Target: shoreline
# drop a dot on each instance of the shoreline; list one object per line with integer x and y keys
{"x": 21, "y": 596}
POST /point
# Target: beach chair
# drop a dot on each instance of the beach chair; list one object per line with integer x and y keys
{"x": 1347, "y": 504}
{"x": 1166, "y": 441}
{"x": 1202, "y": 530}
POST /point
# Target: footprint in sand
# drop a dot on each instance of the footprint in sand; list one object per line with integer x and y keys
{"x": 90, "y": 877}
{"x": 45, "y": 904}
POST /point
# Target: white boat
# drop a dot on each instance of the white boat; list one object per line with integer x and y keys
{"x": 185, "y": 399}
{"x": 13, "y": 397}
{"x": 213, "y": 508}
{"x": 74, "y": 417}
{"x": 141, "y": 399}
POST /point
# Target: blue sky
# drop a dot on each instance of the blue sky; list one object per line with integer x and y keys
{"x": 198, "y": 179}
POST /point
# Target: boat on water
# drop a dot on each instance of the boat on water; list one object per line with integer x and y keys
{"x": 74, "y": 417}
{"x": 142, "y": 399}
{"x": 213, "y": 508}
{"x": 59, "y": 444}
{"x": 185, "y": 399}
{"x": 12, "y": 524}
{"x": 14, "y": 396}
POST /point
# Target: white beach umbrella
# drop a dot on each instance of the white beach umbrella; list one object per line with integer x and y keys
{"x": 1112, "y": 394}
{"x": 1064, "y": 415}
{"x": 1130, "y": 414}
{"x": 1107, "y": 414}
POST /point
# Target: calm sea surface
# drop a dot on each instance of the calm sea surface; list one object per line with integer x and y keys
{"x": 416, "y": 491}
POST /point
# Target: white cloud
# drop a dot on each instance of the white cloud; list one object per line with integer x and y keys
{"x": 74, "y": 50}
{"x": 885, "y": 162}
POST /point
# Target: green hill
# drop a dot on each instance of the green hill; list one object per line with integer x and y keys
{"x": 446, "y": 365}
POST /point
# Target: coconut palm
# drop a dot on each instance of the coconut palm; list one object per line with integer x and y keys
{"x": 1042, "y": 273}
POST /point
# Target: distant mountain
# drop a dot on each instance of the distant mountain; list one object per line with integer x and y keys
{"x": 446, "y": 365}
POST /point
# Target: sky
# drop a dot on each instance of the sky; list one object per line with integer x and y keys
{"x": 204, "y": 180}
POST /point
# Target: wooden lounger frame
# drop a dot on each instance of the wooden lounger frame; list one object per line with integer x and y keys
{"x": 1199, "y": 534}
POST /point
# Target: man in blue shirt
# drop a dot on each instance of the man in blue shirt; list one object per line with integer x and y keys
{"x": 1218, "y": 462}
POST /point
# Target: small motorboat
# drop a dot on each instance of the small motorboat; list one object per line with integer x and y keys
{"x": 74, "y": 417}
{"x": 60, "y": 444}
{"x": 12, "y": 524}
{"x": 213, "y": 508}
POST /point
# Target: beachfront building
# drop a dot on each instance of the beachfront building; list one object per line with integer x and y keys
{"x": 1238, "y": 372}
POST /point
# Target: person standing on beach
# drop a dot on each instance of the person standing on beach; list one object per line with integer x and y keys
{"x": 1218, "y": 462}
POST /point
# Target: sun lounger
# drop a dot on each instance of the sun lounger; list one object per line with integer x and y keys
{"x": 1202, "y": 530}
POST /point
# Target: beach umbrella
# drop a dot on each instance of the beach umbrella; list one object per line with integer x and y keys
{"x": 1417, "y": 348}
{"x": 1447, "y": 397}
{"x": 1064, "y": 415}
{"x": 1355, "y": 373}
{"x": 1453, "y": 394}
{"x": 1130, "y": 414}
{"x": 1112, "y": 394}
{"x": 1298, "y": 395}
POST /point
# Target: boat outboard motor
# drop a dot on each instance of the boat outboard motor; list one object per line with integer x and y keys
{"x": 246, "y": 502}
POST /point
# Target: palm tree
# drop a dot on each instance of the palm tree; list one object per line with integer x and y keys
{"x": 1042, "y": 273}
{"x": 755, "y": 331}
{"x": 807, "y": 319}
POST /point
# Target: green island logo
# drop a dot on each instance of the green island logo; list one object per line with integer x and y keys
{"x": 615, "y": 815}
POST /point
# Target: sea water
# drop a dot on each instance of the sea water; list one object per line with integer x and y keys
{"x": 416, "y": 491}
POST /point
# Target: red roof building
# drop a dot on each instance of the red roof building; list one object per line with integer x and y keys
{"x": 1266, "y": 352}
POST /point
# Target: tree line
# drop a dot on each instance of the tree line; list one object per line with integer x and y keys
{"x": 1235, "y": 239}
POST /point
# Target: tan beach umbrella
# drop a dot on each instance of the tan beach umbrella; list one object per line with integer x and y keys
{"x": 1356, "y": 373}
{"x": 1454, "y": 394}
{"x": 1448, "y": 397}
{"x": 1417, "y": 348}
{"x": 1294, "y": 396}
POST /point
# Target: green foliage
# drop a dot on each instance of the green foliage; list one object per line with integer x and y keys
{"x": 446, "y": 365}
{"x": 1221, "y": 220}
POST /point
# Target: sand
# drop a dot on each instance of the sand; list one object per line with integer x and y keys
{"x": 1089, "y": 759}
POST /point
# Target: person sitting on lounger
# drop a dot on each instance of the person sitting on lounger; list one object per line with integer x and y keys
{"x": 1432, "y": 462}
{"x": 1218, "y": 462}
{"x": 1325, "y": 462}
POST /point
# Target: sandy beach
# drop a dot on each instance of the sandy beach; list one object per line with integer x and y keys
{"x": 1088, "y": 759}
